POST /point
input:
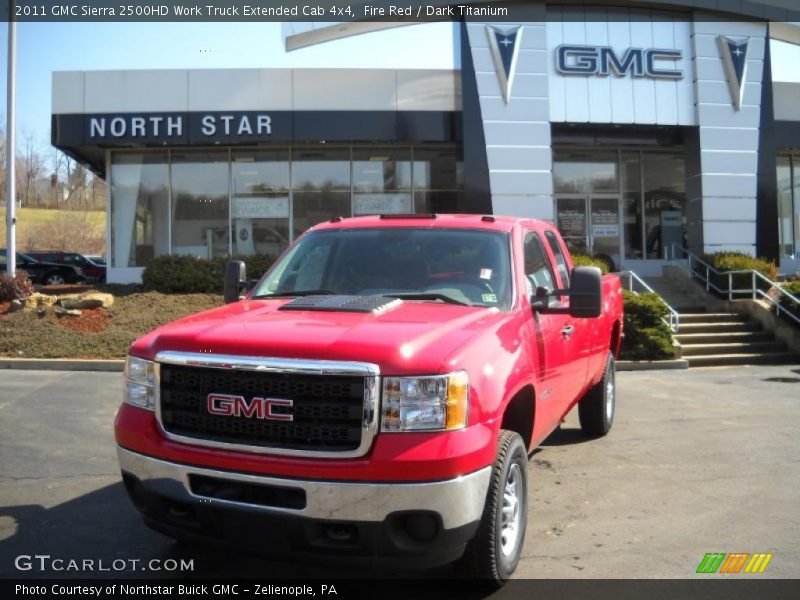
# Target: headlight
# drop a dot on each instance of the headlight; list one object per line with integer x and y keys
{"x": 140, "y": 381}
{"x": 435, "y": 403}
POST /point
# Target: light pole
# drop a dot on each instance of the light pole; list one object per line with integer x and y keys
{"x": 11, "y": 217}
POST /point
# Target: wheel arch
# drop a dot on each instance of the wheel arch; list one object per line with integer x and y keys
{"x": 519, "y": 413}
{"x": 616, "y": 338}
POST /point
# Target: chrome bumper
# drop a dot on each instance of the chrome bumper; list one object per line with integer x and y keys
{"x": 458, "y": 501}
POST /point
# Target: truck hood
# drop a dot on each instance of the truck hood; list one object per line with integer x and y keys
{"x": 413, "y": 337}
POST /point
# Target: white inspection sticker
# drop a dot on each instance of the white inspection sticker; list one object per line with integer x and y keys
{"x": 486, "y": 273}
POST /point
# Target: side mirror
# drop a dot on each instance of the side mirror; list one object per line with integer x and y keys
{"x": 235, "y": 276}
{"x": 585, "y": 292}
{"x": 585, "y": 295}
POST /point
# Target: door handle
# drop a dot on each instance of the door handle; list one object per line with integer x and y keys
{"x": 567, "y": 331}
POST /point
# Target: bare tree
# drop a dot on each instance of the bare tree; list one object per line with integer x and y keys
{"x": 30, "y": 167}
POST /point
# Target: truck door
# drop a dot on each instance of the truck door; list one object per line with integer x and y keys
{"x": 550, "y": 340}
{"x": 579, "y": 346}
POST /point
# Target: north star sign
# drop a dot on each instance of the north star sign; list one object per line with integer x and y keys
{"x": 173, "y": 126}
{"x": 603, "y": 61}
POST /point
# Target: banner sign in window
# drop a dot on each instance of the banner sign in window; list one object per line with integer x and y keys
{"x": 261, "y": 207}
{"x": 382, "y": 204}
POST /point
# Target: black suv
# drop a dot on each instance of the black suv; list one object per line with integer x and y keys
{"x": 45, "y": 273}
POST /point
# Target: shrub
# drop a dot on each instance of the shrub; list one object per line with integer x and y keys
{"x": 793, "y": 287}
{"x": 738, "y": 261}
{"x": 583, "y": 260}
{"x": 15, "y": 288}
{"x": 647, "y": 337}
{"x": 178, "y": 274}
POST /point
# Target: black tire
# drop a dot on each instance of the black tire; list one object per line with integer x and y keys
{"x": 487, "y": 558}
{"x": 597, "y": 408}
{"x": 53, "y": 278}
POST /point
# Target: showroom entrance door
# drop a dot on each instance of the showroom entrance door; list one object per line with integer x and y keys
{"x": 590, "y": 224}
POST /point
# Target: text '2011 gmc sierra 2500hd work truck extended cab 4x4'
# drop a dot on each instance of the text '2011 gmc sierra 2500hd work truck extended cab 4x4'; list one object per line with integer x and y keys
{"x": 375, "y": 395}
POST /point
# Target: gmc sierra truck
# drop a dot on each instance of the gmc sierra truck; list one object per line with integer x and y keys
{"x": 375, "y": 395}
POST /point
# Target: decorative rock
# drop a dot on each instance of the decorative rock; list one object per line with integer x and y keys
{"x": 60, "y": 311}
{"x": 17, "y": 305}
{"x": 87, "y": 300}
{"x": 38, "y": 300}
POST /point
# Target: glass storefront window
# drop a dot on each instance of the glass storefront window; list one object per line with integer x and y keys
{"x": 261, "y": 202}
{"x": 200, "y": 219}
{"x": 139, "y": 208}
{"x": 632, "y": 205}
{"x": 438, "y": 179}
{"x": 585, "y": 171}
{"x": 650, "y": 187}
{"x": 664, "y": 203}
{"x": 320, "y": 186}
{"x": 244, "y": 201}
{"x": 381, "y": 181}
{"x": 789, "y": 204}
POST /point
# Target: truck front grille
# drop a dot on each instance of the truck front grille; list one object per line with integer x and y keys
{"x": 327, "y": 412}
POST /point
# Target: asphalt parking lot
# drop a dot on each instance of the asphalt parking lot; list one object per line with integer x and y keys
{"x": 698, "y": 461}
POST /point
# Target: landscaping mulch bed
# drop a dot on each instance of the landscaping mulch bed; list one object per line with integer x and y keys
{"x": 93, "y": 320}
{"x": 97, "y": 333}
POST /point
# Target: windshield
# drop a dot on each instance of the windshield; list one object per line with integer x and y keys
{"x": 459, "y": 266}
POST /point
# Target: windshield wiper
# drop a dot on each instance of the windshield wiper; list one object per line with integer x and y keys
{"x": 428, "y": 296}
{"x": 295, "y": 294}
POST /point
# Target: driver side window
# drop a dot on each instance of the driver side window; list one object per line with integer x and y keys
{"x": 538, "y": 272}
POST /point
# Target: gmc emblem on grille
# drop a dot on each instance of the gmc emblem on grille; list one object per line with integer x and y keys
{"x": 226, "y": 405}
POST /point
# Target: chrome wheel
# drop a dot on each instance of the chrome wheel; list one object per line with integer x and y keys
{"x": 610, "y": 391}
{"x": 510, "y": 512}
{"x": 54, "y": 279}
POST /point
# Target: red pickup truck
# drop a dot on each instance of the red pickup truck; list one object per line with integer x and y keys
{"x": 373, "y": 396}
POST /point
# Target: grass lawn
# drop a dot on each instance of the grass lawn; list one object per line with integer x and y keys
{"x": 134, "y": 313}
{"x": 32, "y": 221}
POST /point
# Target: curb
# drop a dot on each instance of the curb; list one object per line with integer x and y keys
{"x": 62, "y": 364}
{"x": 651, "y": 365}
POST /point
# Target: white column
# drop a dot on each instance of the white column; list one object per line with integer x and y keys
{"x": 518, "y": 132}
{"x": 728, "y": 137}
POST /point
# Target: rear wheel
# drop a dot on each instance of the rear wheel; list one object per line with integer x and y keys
{"x": 54, "y": 278}
{"x": 596, "y": 409}
{"x": 493, "y": 555}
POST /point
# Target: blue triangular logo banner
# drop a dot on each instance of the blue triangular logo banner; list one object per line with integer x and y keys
{"x": 734, "y": 60}
{"x": 504, "y": 45}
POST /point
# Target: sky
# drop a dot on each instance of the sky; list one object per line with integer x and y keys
{"x": 46, "y": 47}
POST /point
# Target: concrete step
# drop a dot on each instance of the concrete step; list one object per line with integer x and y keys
{"x": 719, "y": 327}
{"x": 689, "y": 310}
{"x": 724, "y": 337}
{"x": 713, "y": 318}
{"x": 692, "y": 350}
{"x": 766, "y": 358}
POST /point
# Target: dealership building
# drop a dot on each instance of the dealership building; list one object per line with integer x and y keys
{"x": 637, "y": 130}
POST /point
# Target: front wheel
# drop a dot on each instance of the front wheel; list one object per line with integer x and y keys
{"x": 596, "y": 409}
{"x": 493, "y": 555}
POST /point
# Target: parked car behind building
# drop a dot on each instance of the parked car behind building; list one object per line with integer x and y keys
{"x": 93, "y": 270}
{"x": 45, "y": 273}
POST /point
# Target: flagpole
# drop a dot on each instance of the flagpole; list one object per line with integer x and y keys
{"x": 11, "y": 217}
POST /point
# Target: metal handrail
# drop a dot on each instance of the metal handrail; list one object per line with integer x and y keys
{"x": 674, "y": 320}
{"x": 753, "y": 290}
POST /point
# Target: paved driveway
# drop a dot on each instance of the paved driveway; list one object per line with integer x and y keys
{"x": 698, "y": 461}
